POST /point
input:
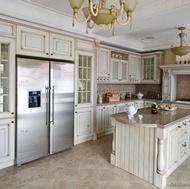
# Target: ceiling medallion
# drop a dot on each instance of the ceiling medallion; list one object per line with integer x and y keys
{"x": 101, "y": 15}
{"x": 181, "y": 50}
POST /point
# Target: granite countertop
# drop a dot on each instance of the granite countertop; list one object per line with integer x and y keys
{"x": 162, "y": 119}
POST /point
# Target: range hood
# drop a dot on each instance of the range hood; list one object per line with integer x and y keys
{"x": 177, "y": 69}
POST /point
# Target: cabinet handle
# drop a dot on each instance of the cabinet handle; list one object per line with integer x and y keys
{"x": 184, "y": 123}
{"x": 184, "y": 145}
{"x": 179, "y": 126}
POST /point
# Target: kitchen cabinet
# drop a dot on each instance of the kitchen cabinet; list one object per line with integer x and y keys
{"x": 41, "y": 43}
{"x": 7, "y": 29}
{"x": 103, "y": 121}
{"x": 178, "y": 145}
{"x": 150, "y": 67}
{"x": 172, "y": 147}
{"x": 83, "y": 125}
{"x": 134, "y": 73}
{"x": 139, "y": 104}
{"x": 121, "y": 106}
{"x": 7, "y": 133}
{"x": 84, "y": 79}
{"x": 119, "y": 70}
{"x": 7, "y": 101}
{"x": 147, "y": 103}
{"x": 7, "y": 77}
{"x": 103, "y": 65}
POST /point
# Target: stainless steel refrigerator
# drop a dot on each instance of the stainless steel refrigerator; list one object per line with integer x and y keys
{"x": 45, "y": 108}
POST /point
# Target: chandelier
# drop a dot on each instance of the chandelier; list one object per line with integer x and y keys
{"x": 181, "y": 50}
{"x": 101, "y": 15}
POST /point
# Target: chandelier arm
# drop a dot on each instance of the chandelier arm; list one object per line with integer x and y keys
{"x": 90, "y": 26}
{"x": 92, "y": 10}
{"x": 121, "y": 9}
{"x": 78, "y": 19}
{"x": 125, "y": 23}
{"x": 111, "y": 26}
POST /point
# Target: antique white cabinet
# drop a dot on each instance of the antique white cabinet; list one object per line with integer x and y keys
{"x": 103, "y": 65}
{"x": 103, "y": 121}
{"x": 41, "y": 43}
{"x": 119, "y": 70}
{"x": 84, "y": 67}
{"x": 134, "y": 73}
{"x": 83, "y": 125}
{"x": 150, "y": 67}
{"x": 7, "y": 101}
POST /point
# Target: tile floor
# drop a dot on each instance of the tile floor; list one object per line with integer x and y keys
{"x": 84, "y": 167}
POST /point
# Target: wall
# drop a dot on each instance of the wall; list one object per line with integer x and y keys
{"x": 169, "y": 57}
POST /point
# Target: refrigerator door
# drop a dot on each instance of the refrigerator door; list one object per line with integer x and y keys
{"x": 32, "y": 109}
{"x": 62, "y": 106}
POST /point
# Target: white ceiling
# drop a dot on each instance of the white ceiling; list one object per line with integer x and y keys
{"x": 152, "y": 18}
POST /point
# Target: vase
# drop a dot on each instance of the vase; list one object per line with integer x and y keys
{"x": 154, "y": 111}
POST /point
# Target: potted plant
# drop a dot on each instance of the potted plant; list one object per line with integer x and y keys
{"x": 154, "y": 108}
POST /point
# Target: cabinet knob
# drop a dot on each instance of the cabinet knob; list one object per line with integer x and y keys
{"x": 51, "y": 53}
{"x": 184, "y": 145}
{"x": 179, "y": 126}
{"x": 47, "y": 53}
{"x": 12, "y": 121}
{"x": 184, "y": 123}
{"x": 12, "y": 113}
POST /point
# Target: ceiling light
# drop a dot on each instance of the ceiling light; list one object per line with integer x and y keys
{"x": 101, "y": 15}
{"x": 181, "y": 50}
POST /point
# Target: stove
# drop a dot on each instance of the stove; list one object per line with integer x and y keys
{"x": 185, "y": 101}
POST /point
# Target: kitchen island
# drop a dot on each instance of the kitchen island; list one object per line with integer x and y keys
{"x": 151, "y": 148}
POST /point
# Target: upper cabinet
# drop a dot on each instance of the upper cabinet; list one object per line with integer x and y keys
{"x": 84, "y": 79}
{"x": 119, "y": 67}
{"x": 7, "y": 78}
{"x": 41, "y": 43}
{"x": 103, "y": 65}
{"x": 150, "y": 67}
{"x": 134, "y": 69}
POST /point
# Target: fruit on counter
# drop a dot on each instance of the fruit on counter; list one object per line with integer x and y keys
{"x": 169, "y": 106}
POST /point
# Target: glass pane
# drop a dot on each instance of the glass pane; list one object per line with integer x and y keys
{"x": 4, "y": 80}
{"x": 84, "y": 73}
{"x": 80, "y": 60}
{"x": 89, "y": 61}
{"x": 4, "y": 51}
{"x": 85, "y": 61}
{"x": 115, "y": 70}
{"x": 80, "y": 73}
{"x": 88, "y": 85}
{"x": 88, "y": 97}
{"x": 84, "y": 85}
{"x": 3, "y": 103}
{"x": 88, "y": 73}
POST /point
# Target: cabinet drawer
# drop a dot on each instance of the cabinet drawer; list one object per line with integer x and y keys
{"x": 182, "y": 131}
{"x": 183, "y": 151}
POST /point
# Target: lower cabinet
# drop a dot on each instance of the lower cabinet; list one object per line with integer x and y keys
{"x": 103, "y": 121}
{"x": 178, "y": 145}
{"x": 7, "y": 135}
{"x": 83, "y": 125}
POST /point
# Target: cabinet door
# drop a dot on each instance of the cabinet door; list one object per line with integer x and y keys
{"x": 100, "y": 120}
{"x": 6, "y": 142}
{"x": 166, "y": 88}
{"x": 123, "y": 71}
{"x": 103, "y": 64}
{"x": 109, "y": 110}
{"x": 7, "y": 77}
{"x": 121, "y": 107}
{"x": 139, "y": 104}
{"x": 134, "y": 69}
{"x": 84, "y": 79}
{"x": 83, "y": 123}
{"x": 115, "y": 69}
{"x": 147, "y": 103}
{"x": 61, "y": 47}
{"x": 150, "y": 69}
{"x": 32, "y": 42}
{"x": 173, "y": 139}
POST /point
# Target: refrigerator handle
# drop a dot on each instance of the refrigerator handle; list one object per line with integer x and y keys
{"x": 53, "y": 105}
{"x": 47, "y": 104}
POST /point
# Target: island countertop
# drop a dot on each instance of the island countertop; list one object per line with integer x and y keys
{"x": 162, "y": 119}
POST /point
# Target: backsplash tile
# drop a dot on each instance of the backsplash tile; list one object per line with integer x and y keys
{"x": 183, "y": 87}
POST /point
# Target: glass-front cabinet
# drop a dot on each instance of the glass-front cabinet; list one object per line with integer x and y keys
{"x": 84, "y": 79}
{"x": 7, "y": 62}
